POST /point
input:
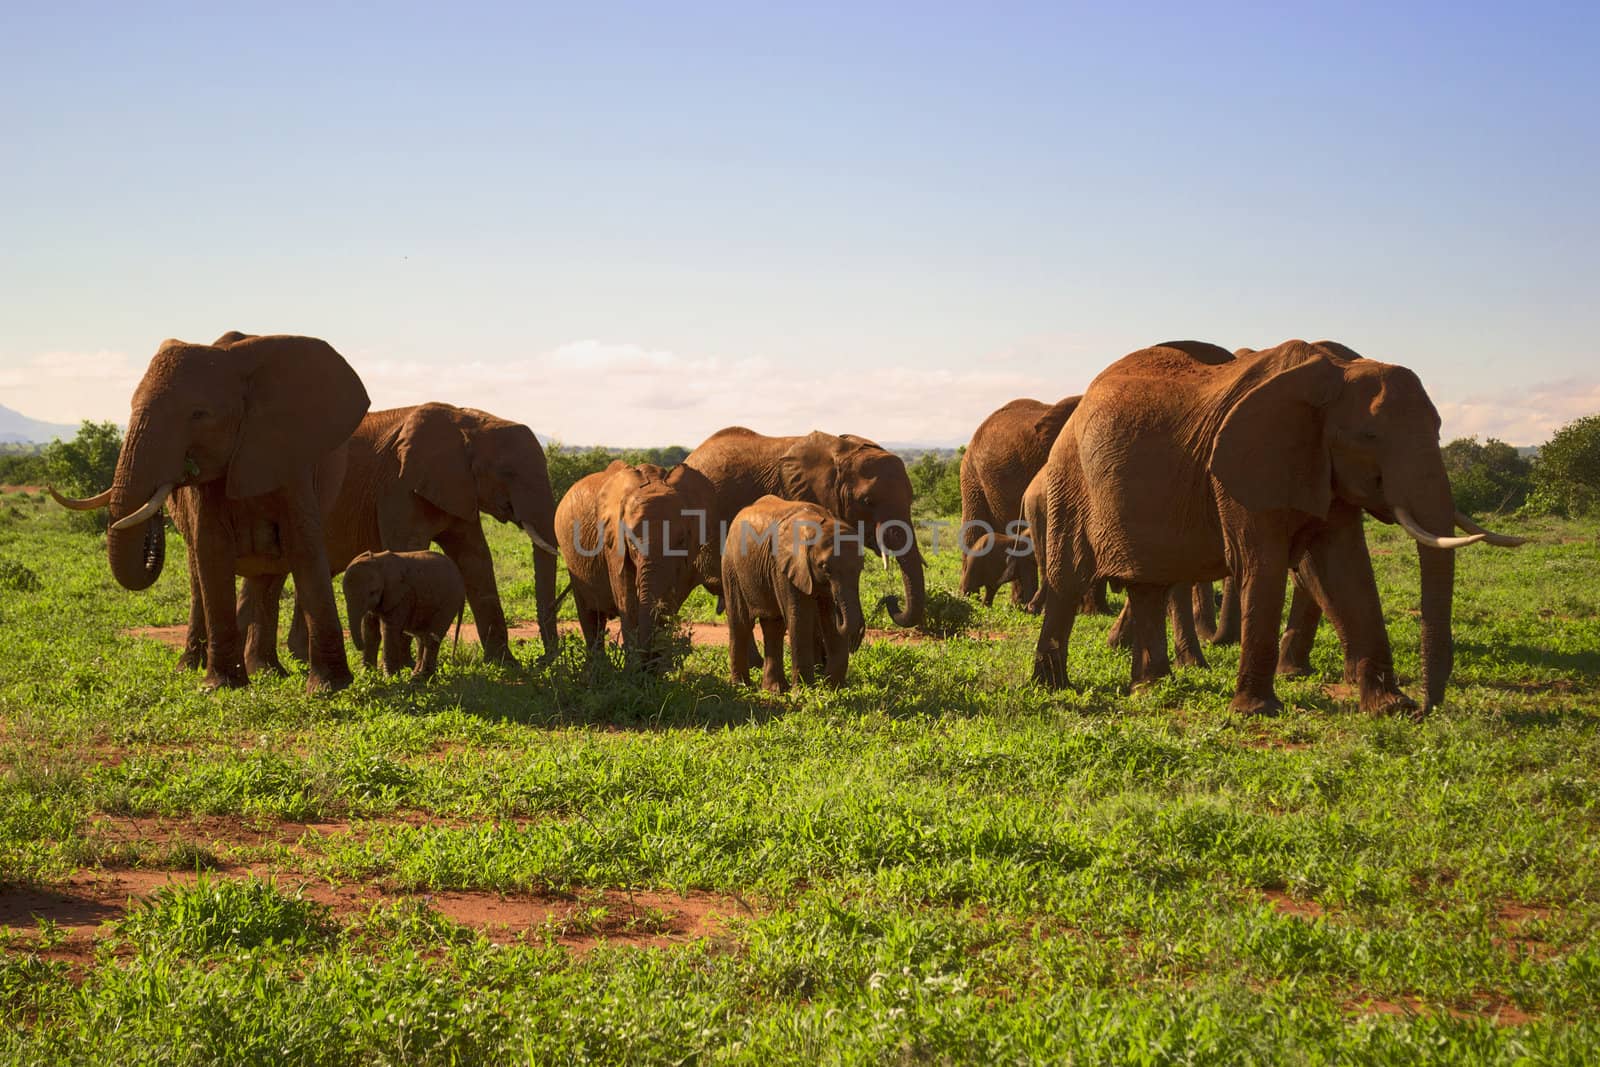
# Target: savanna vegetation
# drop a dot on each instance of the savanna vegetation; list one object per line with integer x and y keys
{"x": 570, "y": 863}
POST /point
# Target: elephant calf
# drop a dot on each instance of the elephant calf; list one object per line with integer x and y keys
{"x": 998, "y": 559}
{"x": 794, "y": 568}
{"x": 413, "y": 594}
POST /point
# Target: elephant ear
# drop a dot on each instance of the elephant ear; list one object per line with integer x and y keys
{"x": 699, "y": 495}
{"x": 793, "y": 556}
{"x": 1048, "y": 427}
{"x": 301, "y": 401}
{"x": 810, "y": 470}
{"x": 436, "y": 460}
{"x": 1271, "y": 451}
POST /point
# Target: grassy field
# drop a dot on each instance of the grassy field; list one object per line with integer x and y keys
{"x": 939, "y": 862}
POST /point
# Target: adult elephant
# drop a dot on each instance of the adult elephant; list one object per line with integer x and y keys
{"x": 1006, "y": 451}
{"x": 1264, "y": 461}
{"x": 422, "y": 475}
{"x": 239, "y": 435}
{"x": 637, "y": 540}
{"x": 851, "y": 477}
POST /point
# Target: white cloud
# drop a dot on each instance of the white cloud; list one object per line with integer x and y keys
{"x": 1521, "y": 417}
{"x": 598, "y": 392}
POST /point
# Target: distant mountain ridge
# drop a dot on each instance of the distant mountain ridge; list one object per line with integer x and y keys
{"x": 15, "y": 427}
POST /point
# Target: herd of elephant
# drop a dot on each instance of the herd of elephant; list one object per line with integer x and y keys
{"x": 1180, "y": 465}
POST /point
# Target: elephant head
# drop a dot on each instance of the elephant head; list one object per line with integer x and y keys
{"x": 660, "y": 542}
{"x": 825, "y": 563}
{"x": 367, "y": 588}
{"x": 866, "y": 486}
{"x": 249, "y": 415}
{"x": 464, "y": 461}
{"x": 1348, "y": 431}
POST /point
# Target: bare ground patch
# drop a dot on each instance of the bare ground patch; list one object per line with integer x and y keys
{"x": 581, "y": 920}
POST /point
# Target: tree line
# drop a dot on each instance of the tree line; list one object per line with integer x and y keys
{"x": 1487, "y": 477}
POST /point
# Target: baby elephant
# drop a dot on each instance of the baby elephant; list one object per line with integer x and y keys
{"x": 413, "y": 594}
{"x": 997, "y": 559}
{"x": 791, "y": 567}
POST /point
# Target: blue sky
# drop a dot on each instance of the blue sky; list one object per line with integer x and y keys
{"x": 637, "y": 224}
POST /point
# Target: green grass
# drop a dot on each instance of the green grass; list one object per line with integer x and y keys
{"x": 938, "y": 862}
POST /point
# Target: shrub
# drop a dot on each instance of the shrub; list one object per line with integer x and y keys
{"x": 936, "y": 483}
{"x": 567, "y": 464}
{"x": 1566, "y": 476}
{"x": 84, "y": 465}
{"x": 1492, "y": 476}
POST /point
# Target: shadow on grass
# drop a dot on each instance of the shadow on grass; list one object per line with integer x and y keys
{"x": 1586, "y": 663}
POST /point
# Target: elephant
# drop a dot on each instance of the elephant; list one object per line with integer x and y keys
{"x": 421, "y": 475}
{"x": 1036, "y": 522}
{"x": 245, "y": 438}
{"x": 795, "y": 568}
{"x": 637, "y": 540}
{"x": 854, "y": 479}
{"x": 409, "y": 593}
{"x": 1184, "y": 463}
{"x": 998, "y": 559}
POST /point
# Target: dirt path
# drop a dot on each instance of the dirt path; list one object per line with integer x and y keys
{"x": 701, "y": 634}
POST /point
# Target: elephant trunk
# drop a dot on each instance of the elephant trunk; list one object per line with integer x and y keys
{"x": 138, "y": 553}
{"x": 911, "y": 575}
{"x": 847, "y": 604}
{"x": 536, "y": 514}
{"x": 350, "y": 608}
{"x": 1435, "y": 515}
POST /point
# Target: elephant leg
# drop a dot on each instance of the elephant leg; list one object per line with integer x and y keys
{"x": 1147, "y": 608}
{"x": 1228, "y": 613}
{"x": 1204, "y": 607}
{"x": 592, "y": 622}
{"x": 802, "y": 616}
{"x": 772, "y": 678}
{"x": 1055, "y": 633}
{"x": 1294, "y": 653}
{"x": 1121, "y": 634}
{"x": 1186, "y": 642}
{"x": 194, "y": 641}
{"x": 1261, "y": 610}
{"x": 371, "y": 639}
{"x": 299, "y": 639}
{"x": 258, "y": 618}
{"x": 740, "y": 639}
{"x": 1337, "y": 569}
{"x": 427, "y": 657}
{"x": 309, "y": 558}
{"x": 396, "y": 647}
{"x": 216, "y": 563}
{"x": 988, "y": 595}
{"x": 464, "y": 544}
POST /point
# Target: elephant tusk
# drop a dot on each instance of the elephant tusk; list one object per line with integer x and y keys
{"x": 1501, "y": 540}
{"x": 538, "y": 541}
{"x": 88, "y": 503}
{"x": 883, "y": 557}
{"x": 1415, "y": 529}
{"x": 151, "y": 506}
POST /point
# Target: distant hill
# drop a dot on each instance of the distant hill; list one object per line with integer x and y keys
{"x": 17, "y": 427}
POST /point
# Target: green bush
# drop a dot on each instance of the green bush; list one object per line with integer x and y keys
{"x": 1566, "y": 476}
{"x": 21, "y": 465}
{"x": 567, "y": 465}
{"x": 936, "y": 483}
{"x": 1492, "y": 476}
{"x": 86, "y": 464}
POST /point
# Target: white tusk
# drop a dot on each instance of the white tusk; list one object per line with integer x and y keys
{"x": 88, "y": 503}
{"x": 1412, "y": 527}
{"x": 151, "y": 506}
{"x": 1464, "y": 521}
{"x": 884, "y": 557}
{"x": 538, "y": 541}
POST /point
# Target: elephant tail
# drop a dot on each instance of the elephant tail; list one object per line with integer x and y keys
{"x": 455, "y": 646}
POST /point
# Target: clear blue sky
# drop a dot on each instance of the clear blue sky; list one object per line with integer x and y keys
{"x": 639, "y": 224}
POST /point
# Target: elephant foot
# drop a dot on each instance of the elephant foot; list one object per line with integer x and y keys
{"x": 500, "y": 654}
{"x": 1224, "y": 637}
{"x": 1256, "y": 707}
{"x": 1050, "y": 670}
{"x": 271, "y": 665}
{"x": 1396, "y": 704}
{"x": 193, "y": 659}
{"x": 329, "y": 679}
{"x": 215, "y": 679}
{"x": 1290, "y": 668}
{"x": 1190, "y": 657}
